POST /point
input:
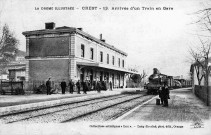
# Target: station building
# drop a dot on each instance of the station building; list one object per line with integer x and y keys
{"x": 70, "y": 53}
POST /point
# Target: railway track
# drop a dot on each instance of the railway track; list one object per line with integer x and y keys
{"x": 127, "y": 108}
{"x": 112, "y": 112}
{"x": 103, "y": 108}
{"x": 25, "y": 116}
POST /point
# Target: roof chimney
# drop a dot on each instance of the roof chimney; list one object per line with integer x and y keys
{"x": 81, "y": 29}
{"x": 101, "y": 36}
{"x": 50, "y": 25}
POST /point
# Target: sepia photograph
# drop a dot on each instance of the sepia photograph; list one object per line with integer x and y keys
{"x": 109, "y": 67}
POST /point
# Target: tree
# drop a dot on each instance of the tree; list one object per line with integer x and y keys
{"x": 204, "y": 20}
{"x": 201, "y": 61}
{"x": 143, "y": 75}
{"x": 201, "y": 56}
{"x": 137, "y": 78}
{"x": 8, "y": 46}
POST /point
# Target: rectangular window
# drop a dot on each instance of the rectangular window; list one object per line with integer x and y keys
{"x": 113, "y": 60}
{"x": 82, "y": 50}
{"x": 107, "y": 58}
{"x": 101, "y": 56}
{"x": 91, "y": 53}
{"x": 123, "y": 63}
{"x": 119, "y": 62}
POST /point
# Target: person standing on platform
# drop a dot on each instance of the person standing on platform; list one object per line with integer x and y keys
{"x": 160, "y": 94}
{"x": 110, "y": 84}
{"x": 89, "y": 85}
{"x": 63, "y": 86}
{"x": 71, "y": 85}
{"x": 84, "y": 84}
{"x": 98, "y": 86}
{"x": 78, "y": 84}
{"x": 48, "y": 85}
{"x": 165, "y": 94}
{"x": 94, "y": 85}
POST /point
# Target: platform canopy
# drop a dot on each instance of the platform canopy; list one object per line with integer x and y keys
{"x": 98, "y": 65}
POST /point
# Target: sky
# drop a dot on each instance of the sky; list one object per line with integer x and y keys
{"x": 152, "y": 38}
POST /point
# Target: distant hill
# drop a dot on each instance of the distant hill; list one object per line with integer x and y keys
{"x": 20, "y": 53}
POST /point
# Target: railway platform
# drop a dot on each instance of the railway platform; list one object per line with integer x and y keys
{"x": 17, "y": 103}
{"x": 183, "y": 106}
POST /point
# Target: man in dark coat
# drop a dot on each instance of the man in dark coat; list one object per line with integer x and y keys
{"x": 94, "y": 85}
{"x": 78, "y": 84}
{"x": 110, "y": 84}
{"x": 98, "y": 86}
{"x": 63, "y": 86}
{"x": 88, "y": 84}
{"x": 165, "y": 94}
{"x": 48, "y": 85}
{"x": 103, "y": 86}
{"x": 71, "y": 85}
{"x": 160, "y": 94}
{"x": 84, "y": 85}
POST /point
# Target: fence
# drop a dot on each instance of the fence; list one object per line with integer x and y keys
{"x": 201, "y": 92}
{"x": 39, "y": 87}
{"x": 11, "y": 87}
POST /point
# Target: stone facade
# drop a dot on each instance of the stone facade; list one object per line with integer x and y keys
{"x": 69, "y": 53}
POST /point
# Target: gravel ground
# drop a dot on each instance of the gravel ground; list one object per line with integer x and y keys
{"x": 62, "y": 113}
{"x": 183, "y": 107}
{"x": 48, "y": 111}
{"x": 114, "y": 111}
{"x": 180, "y": 110}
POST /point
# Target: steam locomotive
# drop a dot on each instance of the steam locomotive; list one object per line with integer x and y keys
{"x": 156, "y": 80}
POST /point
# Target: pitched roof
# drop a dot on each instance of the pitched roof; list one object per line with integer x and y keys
{"x": 66, "y": 29}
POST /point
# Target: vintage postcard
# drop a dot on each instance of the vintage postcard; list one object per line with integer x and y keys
{"x": 89, "y": 67}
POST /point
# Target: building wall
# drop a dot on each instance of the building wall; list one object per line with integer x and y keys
{"x": 4, "y": 77}
{"x": 49, "y": 46}
{"x": 16, "y": 74}
{"x": 97, "y": 49}
{"x": 72, "y": 60}
{"x": 111, "y": 54}
{"x": 39, "y": 47}
{"x": 119, "y": 80}
{"x": 41, "y": 70}
{"x": 55, "y": 56}
{"x": 20, "y": 73}
{"x": 87, "y": 45}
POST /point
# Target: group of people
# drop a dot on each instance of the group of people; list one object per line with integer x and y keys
{"x": 80, "y": 85}
{"x": 87, "y": 86}
{"x": 164, "y": 95}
